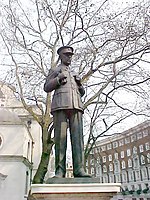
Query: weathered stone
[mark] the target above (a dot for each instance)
(73, 196)
(87, 191)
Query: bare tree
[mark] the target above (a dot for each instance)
(111, 54)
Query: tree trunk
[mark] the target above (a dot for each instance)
(42, 168)
(46, 151)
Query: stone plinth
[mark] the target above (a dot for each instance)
(72, 180)
(90, 191)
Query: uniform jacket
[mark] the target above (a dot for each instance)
(67, 96)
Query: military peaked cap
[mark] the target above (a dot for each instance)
(65, 49)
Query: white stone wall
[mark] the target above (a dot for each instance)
(37, 146)
(21, 146)
(31, 146)
(14, 185)
(12, 139)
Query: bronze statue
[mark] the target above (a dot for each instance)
(67, 111)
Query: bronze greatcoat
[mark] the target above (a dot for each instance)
(67, 109)
(67, 96)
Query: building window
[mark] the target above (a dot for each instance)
(139, 135)
(116, 166)
(1, 141)
(103, 148)
(105, 179)
(144, 173)
(122, 154)
(104, 168)
(131, 176)
(110, 157)
(141, 148)
(115, 145)
(109, 146)
(142, 160)
(97, 170)
(121, 142)
(111, 179)
(110, 167)
(104, 159)
(27, 182)
(148, 157)
(145, 133)
(147, 146)
(128, 152)
(137, 175)
(123, 164)
(134, 150)
(129, 163)
(124, 177)
(136, 162)
(98, 161)
(127, 140)
(133, 138)
(118, 180)
(116, 156)
(29, 151)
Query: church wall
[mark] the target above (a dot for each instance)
(12, 139)
(16, 184)
(37, 146)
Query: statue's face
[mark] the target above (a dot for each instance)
(66, 58)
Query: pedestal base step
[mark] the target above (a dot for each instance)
(84, 191)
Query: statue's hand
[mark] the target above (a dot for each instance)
(78, 80)
(62, 78)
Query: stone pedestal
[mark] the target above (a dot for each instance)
(74, 191)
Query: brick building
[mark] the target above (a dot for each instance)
(124, 158)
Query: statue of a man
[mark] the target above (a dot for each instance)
(67, 111)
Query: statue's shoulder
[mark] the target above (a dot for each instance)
(54, 70)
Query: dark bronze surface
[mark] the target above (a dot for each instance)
(67, 110)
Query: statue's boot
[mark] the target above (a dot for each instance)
(59, 173)
(60, 160)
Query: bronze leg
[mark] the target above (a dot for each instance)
(60, 134)
(76, 134)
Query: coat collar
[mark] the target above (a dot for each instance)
(64, 67)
